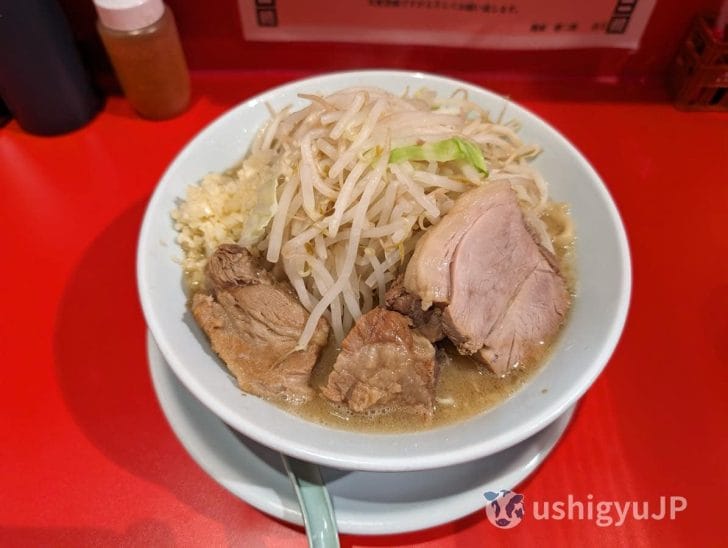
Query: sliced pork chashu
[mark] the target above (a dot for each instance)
(501, 295)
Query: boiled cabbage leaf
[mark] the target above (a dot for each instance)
(442, 151)
(258, 217)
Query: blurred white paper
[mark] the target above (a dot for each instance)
(520, 24)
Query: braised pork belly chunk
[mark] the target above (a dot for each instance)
(254, 323)
(428, 323)
(384, 365)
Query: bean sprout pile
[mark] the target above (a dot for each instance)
(352, 180)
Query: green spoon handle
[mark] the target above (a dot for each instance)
(318, 513)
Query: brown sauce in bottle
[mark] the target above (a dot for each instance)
(151, 67)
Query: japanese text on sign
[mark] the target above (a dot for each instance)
(520, 24)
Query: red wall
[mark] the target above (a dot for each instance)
(213, 39)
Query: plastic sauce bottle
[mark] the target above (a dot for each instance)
(141, 39)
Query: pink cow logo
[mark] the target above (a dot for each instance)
(504, 509)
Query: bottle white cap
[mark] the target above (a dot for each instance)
(129, 14)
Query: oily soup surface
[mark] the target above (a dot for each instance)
(464, 389)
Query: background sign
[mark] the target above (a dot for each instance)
(517, 24)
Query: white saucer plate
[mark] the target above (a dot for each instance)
(366, 503)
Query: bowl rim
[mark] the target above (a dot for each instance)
(404, 462)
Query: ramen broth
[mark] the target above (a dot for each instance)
(464, 389)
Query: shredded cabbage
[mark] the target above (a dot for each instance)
(259, 216)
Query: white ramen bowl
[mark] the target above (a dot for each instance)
(582, 351)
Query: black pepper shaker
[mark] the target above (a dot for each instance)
(42, 79)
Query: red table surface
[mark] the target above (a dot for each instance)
(87, 457)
